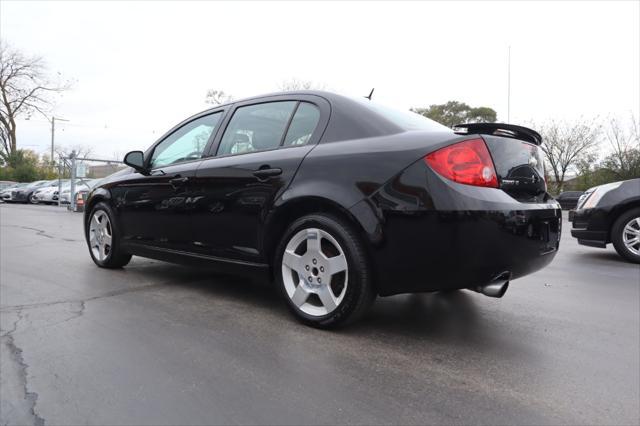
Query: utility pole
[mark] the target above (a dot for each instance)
(53, 133)
(509, 85)
(72, 189)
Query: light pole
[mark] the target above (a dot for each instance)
(53, 132)
(509, 86)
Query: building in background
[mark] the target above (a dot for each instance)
(104, 170)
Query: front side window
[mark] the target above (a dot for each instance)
(187, 143)
(256, 128)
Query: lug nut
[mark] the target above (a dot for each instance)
(319, 280)
(322, 269)
(310, 279)
(306, 267)
(315, 261)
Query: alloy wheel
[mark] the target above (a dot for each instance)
(631, 236)
(315, 272)
(100, 235)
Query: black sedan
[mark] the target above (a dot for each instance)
(569, 199)
(339, 200)
(26, 193)
(610, 214)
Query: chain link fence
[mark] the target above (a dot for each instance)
(83, 173)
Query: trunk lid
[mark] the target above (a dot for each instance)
(519, 166)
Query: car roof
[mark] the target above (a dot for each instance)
(351, 118)
(330, 96)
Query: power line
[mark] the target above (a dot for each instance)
(87, 126)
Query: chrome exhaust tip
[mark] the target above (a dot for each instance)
(496, 288)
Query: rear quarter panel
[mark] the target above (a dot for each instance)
(346, 172)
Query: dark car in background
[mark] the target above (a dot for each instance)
(338, 199)
(5, 194)
(25, 193)
(569, 199)
(610, 214)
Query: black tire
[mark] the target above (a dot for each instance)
(31, 200)
(116, 257)
(617, 231)
(359, 293)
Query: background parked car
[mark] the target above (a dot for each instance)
(4, 184)
(49, 194)
(569, 199)
(84, 185)
(25, 194)
(610, 214)
(5, 194)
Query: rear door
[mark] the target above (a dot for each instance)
(253, 161)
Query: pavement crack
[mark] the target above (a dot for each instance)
(22, 366)
(42, 233)
(77, 314)
(82, 302)
(15, 324)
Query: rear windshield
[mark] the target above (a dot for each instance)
(408, 120)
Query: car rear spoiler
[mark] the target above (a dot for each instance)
(500, 129)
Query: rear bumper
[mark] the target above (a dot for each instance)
(462, 249)
(460, 237)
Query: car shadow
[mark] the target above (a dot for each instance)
(606, 256)
(450, 319)
(431, 315)
(207, 281)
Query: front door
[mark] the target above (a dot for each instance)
(154, 210)
(256, 159)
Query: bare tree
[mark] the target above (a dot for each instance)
(565, 144)
(81, 151)
(24, 89)
(296, 84)
(217, 97)
(625, 144)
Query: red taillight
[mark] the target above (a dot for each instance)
(467, 162)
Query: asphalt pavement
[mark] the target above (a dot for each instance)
(156, 343)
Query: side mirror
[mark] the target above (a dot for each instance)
(135, 159)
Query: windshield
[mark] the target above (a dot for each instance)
(408, 120)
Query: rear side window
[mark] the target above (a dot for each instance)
(407, 120)
(256, 128)
(303, 124)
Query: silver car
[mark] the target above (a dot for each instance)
(84, 185)
(49, 194)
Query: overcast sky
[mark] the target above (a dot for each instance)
(139, 68)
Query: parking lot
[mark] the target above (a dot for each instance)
(156, 343)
